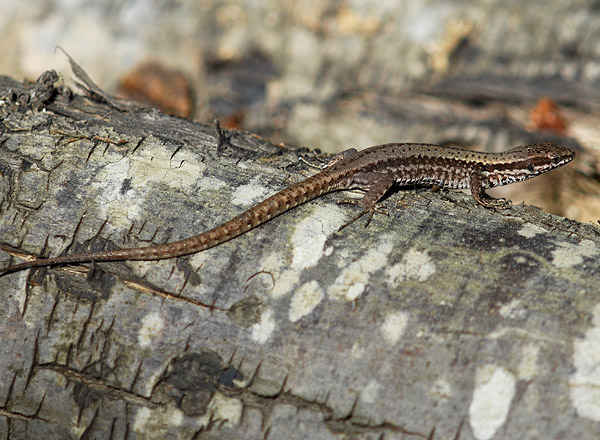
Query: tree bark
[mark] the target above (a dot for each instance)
(442, 313)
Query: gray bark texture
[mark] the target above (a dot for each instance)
(444, 320)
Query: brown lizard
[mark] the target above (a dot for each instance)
(375, 170)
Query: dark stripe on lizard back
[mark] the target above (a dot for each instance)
(374, 170)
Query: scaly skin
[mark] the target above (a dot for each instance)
(375, 170)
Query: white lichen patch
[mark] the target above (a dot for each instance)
(273, 262)
(160, 420)
(512, 332)
(415, 265)
(284, 282)
(307, 247)
(262, 331)
(441, 389)
(153, 163)
(210, 184)
(357, 351)
(351, 283)
(493, 394)
(310, 235)
(585, 382)
(305, 299)
(152, 326)
(109, 196)
(513, 310)
(349, 287)
(249, 194)
(370, 393)
(528, 365)
(393, 326)
(529, 231)
(226, 409)
(110, 180)
(157, 420)
(569, 255)
(141, 419)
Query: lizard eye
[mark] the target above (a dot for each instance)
(530, 167)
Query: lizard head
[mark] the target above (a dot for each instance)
(543, 157)
(526, 161)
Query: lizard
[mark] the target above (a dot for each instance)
(374, 170)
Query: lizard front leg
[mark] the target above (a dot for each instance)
(479, 193)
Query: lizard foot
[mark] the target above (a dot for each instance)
(494, 203)
(369, 210)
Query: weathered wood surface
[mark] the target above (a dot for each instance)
(444, 318)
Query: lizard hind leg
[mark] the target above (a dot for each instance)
(376, 208)
(380, 185)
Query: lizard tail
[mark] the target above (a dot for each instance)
(264, 211)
